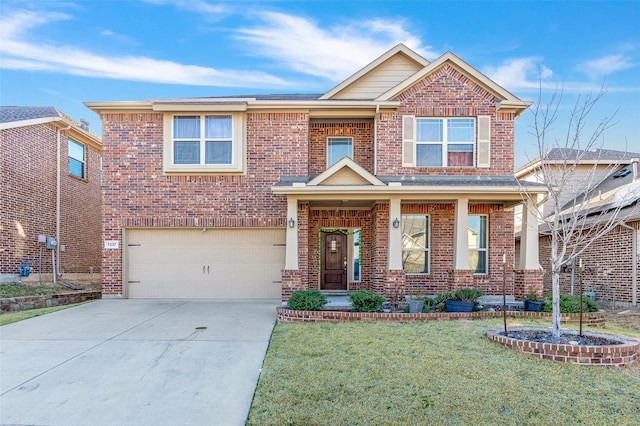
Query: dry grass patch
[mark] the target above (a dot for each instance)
(440, 372)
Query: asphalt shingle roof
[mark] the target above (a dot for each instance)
(20, 113)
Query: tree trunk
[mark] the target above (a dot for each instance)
(556, 264)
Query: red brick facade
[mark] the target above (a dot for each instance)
(28, 161)
(286, 145)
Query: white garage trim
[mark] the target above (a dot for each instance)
(204, 263)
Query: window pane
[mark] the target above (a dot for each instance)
(356, 256)
(187, 152)
(459, 155)
(218, 152)
(76, 150)
(218, 127)
(186, 127)
(478, 261)
(414, 232)
(415, 262)
(338, 148)
(428, 155)
(76, 168)
(460, 130)
(428, 130)
(477, 232)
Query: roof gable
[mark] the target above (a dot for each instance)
(345, 172)
(506, 98)
(385, 72)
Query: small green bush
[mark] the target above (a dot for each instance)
(438, 303)
(307, 300)
(571, 304)
(365, 301)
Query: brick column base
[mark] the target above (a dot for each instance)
(394, 286)
(528, 281)
(460, 278)
(291, 281)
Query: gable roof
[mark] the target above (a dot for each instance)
(605, 157)
(20, 116)
(507, 99)
(399, 51)
(345, 172)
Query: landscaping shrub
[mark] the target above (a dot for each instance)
(307, 300)
(365, 301)
(438, 303)
(571, 304)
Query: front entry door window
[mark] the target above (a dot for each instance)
(334, 261)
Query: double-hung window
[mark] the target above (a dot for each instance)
(446, 142)
(415, 244)
(203, 143)
(478, 243)
(76, 158)
(338, 148)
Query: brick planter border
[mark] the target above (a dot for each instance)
(615, 355)
(593, 319)
(23, 303)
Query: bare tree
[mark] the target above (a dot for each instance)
(575, 215)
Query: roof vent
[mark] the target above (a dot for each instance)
(84, 124)
(622, 173)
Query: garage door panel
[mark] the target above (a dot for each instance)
(218, 263)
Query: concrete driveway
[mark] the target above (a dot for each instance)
(135, 362)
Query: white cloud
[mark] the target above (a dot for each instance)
(520, 73)
(606, 65)
(19, 53)
(333, 53)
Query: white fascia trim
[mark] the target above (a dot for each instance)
(406, 191)
(31, 122)
(349, 163)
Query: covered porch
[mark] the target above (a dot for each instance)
(349, 230)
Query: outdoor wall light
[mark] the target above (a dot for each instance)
(292, 222)
(396, 223)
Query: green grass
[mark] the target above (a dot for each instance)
(17, 290)
(9, 317)
(439, 372)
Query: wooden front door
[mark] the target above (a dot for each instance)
(333, 275)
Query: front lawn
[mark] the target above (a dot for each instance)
(438, 372)
(17, 290)
(10, 317)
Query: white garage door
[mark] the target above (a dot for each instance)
(217, 263)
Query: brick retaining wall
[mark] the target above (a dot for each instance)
(593, 319)
(15, 304)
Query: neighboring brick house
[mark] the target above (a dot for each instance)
(49, 185)
(612, 262)
(377, 184)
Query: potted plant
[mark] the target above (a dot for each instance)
(532, 303)
(463, 300)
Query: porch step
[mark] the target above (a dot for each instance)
(337, 301)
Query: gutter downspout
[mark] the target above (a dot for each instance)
(375, 141)
(634, 263)
(58, 172)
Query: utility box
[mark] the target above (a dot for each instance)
(51, 243)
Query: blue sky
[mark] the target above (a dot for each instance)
(63, 53)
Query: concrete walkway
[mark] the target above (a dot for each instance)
(135, 362)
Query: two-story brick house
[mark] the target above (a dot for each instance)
(49, 186)
(399, 179)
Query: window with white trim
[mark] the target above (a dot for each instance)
(203, 143)
(477, 234)
(76, 158)
(415, 244)
(445, 142)
(338, 148)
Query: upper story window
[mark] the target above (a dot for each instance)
(445, 142)
(338, 148)
(415, 244)
(203, 143)
(478, 243)
(76, 158)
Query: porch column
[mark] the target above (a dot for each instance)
(395, 235)
(529, 239)
(291, 261)
(461, 235)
